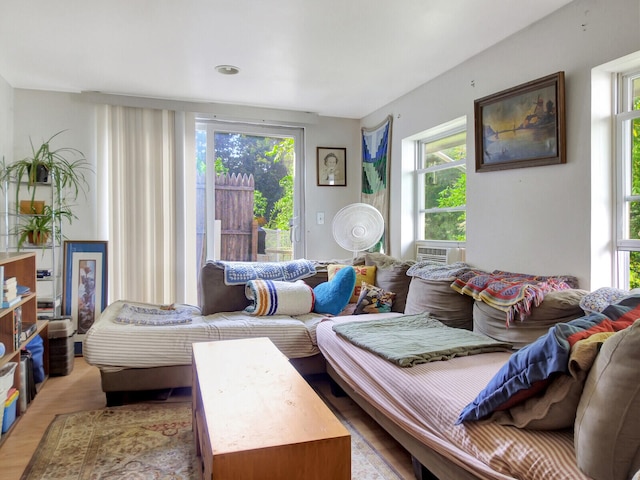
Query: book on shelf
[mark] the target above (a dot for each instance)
(43, 273)
(17, 327)
(10, 303)
(9, 290)
(23, 290)
(28, 331)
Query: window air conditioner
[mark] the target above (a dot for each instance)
(439, 255)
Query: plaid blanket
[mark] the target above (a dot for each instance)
(513, 293)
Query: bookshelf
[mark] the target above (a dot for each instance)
(22, 266)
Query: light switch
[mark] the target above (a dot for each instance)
(320, 218)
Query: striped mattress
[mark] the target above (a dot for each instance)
(114, 346)
(425, 400)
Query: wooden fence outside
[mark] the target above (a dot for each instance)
(234, 207)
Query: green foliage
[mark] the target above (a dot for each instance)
(268, 159)
(259, 204)
(283, 208)
(454, 195)
(634, 211)
(634, 270)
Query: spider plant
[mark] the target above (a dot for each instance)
(66, 169)
(37, 229)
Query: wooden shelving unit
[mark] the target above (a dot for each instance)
(23, 267)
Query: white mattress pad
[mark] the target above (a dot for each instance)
(113, 346)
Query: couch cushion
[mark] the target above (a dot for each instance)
(607, 427)
(214, 296)
(334, 295)
(558, 307)
(441, 301)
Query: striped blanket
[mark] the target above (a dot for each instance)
(513, 293)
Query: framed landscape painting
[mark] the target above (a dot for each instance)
(523, 126)
(85, 283)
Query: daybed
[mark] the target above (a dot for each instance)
(421, 406)
(134, 357)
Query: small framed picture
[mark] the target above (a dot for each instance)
(332, 167)
(85, 282)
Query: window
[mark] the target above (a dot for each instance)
(628, 181)
(441, 183)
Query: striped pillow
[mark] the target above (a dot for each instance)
(274, 297)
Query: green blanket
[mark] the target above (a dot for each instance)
(413, 339)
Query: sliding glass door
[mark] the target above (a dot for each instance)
(249, 192)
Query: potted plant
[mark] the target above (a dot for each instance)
(38, 228)
(64, 168)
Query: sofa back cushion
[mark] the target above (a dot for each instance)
(441, 301)
(215, 296)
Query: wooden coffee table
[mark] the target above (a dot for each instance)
(255, 417)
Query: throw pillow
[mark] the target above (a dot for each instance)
(276, 297)
(530, 369)
(601, 298)
(364, 273)
(374, 300)
(556, 407)
(391, 275)
(607, 427)
(334, 295)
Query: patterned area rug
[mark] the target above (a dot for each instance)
(147, 441)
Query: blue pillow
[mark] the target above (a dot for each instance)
(529, 370)
(333, 296)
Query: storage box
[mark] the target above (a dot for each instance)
(9, 415)
(61, 346)
(6, 378)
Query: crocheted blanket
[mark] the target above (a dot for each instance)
(239, 273)
(513, 293)
(137, 315)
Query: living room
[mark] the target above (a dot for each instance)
(555, 219)
(554, 240)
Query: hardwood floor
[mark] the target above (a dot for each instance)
(80, 390)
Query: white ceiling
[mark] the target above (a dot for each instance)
(343, 58)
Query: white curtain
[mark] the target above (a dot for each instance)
(138, 156)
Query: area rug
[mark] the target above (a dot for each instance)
(146, 441)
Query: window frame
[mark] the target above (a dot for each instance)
(454, 127)
(624, 117)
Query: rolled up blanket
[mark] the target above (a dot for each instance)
(272, 297)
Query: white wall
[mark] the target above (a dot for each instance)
(40, 114)
(533, 220)
(6, 120)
